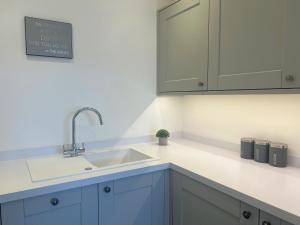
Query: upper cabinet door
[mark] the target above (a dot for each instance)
(247, 44)
(183, 46)
(291, 77)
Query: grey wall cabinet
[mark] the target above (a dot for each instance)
(134, 201)
(73, 207)
(253, 45)
(246, 45)
(291, 76)
(183, 46)
(195, 203)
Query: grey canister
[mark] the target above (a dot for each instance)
(278, 154)
(261, 151)
(247, 148)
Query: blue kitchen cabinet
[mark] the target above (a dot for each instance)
(72, 207)
(137, 200)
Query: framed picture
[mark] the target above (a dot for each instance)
(48, 38)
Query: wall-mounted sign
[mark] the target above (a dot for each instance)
(48, 38)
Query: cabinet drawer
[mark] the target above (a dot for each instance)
(69, 215)
(51, 201)
(214, 197)
(131, 183)
(249, 214)
(285, 223)
(268, 219)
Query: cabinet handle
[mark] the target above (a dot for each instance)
(107, 189)
(266, 223)
(290, 78)
(246, 214)
(200, 84)
(54, 201)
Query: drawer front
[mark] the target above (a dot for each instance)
(63, 216)
(249, 214)
(268, 219)
(131, 183)
(285, 223)
(214, 197)
(51, 201)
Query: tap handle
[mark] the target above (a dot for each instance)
(80, 150)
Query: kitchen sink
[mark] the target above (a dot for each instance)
(116, 157)
(47, 168)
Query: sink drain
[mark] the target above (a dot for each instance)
(88, 168)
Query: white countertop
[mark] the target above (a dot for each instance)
(274, 190)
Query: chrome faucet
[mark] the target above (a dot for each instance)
(74, 150)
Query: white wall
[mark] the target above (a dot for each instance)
(228, 118)
(113, 70)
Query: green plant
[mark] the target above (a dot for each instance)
(162, 133)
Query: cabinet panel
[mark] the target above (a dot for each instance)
(285, 223)
(133, 201)
(73, 207)
(195, 203)
(291, 78)
(13, 213)
(63, 216)
(268, 219)
(249, 215)
(183, 46)
(246, 45)
(43, 203)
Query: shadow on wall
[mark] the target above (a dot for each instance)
(137, 120)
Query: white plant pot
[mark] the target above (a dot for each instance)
(163, 141)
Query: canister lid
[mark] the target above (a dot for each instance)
(278, 145)
(247, 139)
(261, 142)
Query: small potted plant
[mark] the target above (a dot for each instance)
(163, 136)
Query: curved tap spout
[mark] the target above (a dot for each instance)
(74, 122)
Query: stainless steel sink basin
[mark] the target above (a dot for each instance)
(114, 158)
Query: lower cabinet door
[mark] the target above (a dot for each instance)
(285, 223)
(72, 207)
(138, 200)
(63, 216)
(249, 215)
(197, 204)
(268, 219)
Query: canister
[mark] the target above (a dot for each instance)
(278, 154)
(247, 148)
(261, 151)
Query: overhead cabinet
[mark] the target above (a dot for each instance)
(183, 46)
(246, 45)
(229, 45)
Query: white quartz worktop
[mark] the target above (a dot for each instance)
(271, 189)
